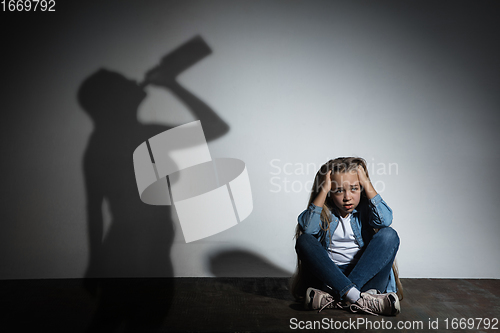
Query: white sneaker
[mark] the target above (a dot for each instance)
(319, 299)
(384, 304)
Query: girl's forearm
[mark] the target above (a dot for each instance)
(366, 183)
(320, 198)
(370, 190)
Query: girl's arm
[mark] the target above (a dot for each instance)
(366, 183)
(309, 220)
(326, 187)
(380, 212)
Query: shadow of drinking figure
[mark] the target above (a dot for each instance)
(138, 242)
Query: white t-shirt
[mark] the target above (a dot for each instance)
(343, 246)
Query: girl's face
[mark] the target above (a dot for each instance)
(346, 191)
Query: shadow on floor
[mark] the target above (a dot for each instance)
(239, 263)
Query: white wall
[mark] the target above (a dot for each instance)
(411, 84)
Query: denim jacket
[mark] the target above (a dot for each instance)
(377, 214)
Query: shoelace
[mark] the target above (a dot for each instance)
(330, 301)
(373, 302)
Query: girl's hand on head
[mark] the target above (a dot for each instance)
(327, 182)
(365, 183)
(326, 187)
(363, 178)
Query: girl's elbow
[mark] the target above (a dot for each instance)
(381, 222)
(388, 218)
(387, 221)
(310, 231)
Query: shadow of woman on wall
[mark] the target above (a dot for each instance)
(135, 250)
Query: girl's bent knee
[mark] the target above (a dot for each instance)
(389, 235)
(303, 241)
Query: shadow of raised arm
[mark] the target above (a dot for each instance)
(213, 126)
(165, 74)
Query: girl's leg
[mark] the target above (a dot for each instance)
(315, 258)
(374, 267)
(380, 280)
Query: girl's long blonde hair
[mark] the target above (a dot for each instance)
(302, 279)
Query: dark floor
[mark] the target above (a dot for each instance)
(230, 305)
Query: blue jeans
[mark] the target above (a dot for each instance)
(370, 272)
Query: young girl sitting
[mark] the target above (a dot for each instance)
(345, 246)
